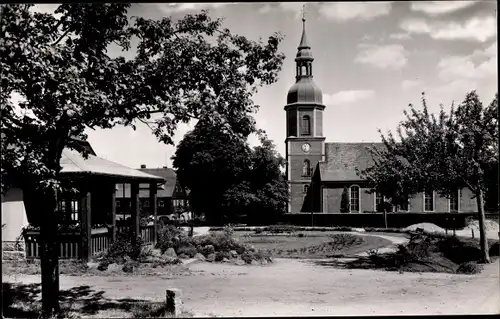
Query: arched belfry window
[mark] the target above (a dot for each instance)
(303, 70)
(306, 168)
(306, 125)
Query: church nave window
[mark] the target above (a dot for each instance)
(354, 198)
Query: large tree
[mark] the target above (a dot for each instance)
(452, 150)
(227, 179)
(61, 68)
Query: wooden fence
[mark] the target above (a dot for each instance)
(70, 243)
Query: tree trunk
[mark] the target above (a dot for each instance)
(50, 253)
(385, 218)
(482, 228)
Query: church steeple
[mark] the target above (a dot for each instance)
(304, 56)
(304, 44)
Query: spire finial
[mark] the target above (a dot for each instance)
(303, 13)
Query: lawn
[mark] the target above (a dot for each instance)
(312, 244)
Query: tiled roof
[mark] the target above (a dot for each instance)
(342, 159)
(164, 190)
(73, 163)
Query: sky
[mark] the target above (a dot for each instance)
(371, 60)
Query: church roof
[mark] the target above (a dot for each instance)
(342, 159)
(305, 91)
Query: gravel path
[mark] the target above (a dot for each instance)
(300, 287)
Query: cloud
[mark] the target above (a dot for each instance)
(400, 36)
(480, 65)
(344, 11)
(408, 84)
(475, 29)
(461, 74)
(350, 96)
(294, 7)
(434, 8)
(183, 7)
(392, 56)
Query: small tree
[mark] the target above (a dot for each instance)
(442, 153)
(345, 206)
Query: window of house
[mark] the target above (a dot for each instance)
(379, 200)
(354, 198)
(74, 210)
(455, 201)
(160, 203)
(429, 201)
(306, 168)
(306, 125)
(305, 189)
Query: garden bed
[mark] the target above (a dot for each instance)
(316, 244)
(427, 253)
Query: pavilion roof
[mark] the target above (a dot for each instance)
(73, 163)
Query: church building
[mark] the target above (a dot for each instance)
(318, 172)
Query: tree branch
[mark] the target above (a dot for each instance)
(61, 37)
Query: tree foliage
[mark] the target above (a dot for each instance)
(227, 179)
(345, 206)
(67, 80)
(442, 153)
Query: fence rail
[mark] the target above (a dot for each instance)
(146, 232)
(70, 243)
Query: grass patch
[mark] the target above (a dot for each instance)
(313, 244)
(147, 309)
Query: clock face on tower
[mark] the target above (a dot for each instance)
(306, 147)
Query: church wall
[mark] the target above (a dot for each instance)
(417, 203)
(297, 197)
(319, 122)
(296, 148)
(467, 203)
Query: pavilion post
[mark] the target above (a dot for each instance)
(113, 214)
(86, 226)
(154, 207)
(134, 197)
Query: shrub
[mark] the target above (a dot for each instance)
(469, 268)
(123, 249)
(189, 250)
(170, 236)
(220, 255)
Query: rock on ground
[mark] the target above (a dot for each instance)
(428, 227)
(170, 252)
(199, 257)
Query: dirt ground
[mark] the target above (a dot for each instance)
(293, 287)
(301, 287)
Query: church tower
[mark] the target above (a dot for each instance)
(304, 128)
